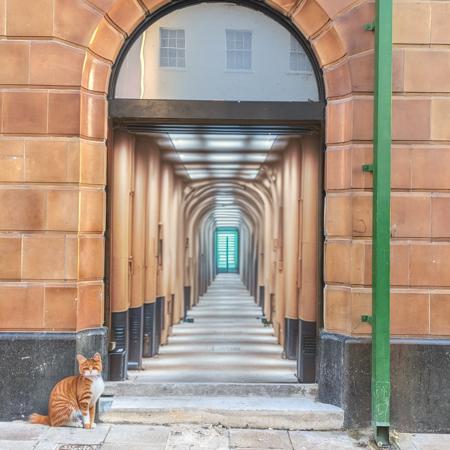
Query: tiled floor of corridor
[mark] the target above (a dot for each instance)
(226, 343)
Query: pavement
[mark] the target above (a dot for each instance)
(25, 436)
(226, 343)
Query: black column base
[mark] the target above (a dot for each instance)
(135, 318)
(118, 357)
(32, 363)
(261, 297)
(149, 330)
(187, 300)
(420, 400)
(307, 344)
(159, 319)
(290, 338)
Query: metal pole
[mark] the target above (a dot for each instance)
(381, 385)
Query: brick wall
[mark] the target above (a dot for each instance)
(53, 158)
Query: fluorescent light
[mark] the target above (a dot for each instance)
(223, 157)
(197, 175)
(224, 144)
(220, 142)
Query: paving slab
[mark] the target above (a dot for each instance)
(191, 438)
(424, 441)
(138, 434)
(45, 445)
(21, 431)
(17, 445)
(260, 439)
(66, 435)
(110, 446)
(324, 441)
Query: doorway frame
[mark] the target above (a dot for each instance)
(235, 230)
(153, 115)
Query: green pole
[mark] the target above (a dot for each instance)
(381, 385)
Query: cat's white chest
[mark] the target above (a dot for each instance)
(97, 388)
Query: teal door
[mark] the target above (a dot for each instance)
(227, 250)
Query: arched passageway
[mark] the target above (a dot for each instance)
(217, 113)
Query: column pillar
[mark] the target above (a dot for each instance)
(138, 258)
(121, 171)
(291, 196)
(150, 347)
(309, 259)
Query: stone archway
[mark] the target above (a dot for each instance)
(343, 49)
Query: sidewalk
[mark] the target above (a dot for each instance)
(23, 436)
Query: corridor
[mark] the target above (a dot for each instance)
(226, 343)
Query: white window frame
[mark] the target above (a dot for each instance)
(236, 50)
(176, 49)
(297, 50)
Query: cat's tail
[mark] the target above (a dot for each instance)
(37, 418)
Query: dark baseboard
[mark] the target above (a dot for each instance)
(159, 319)
(307, 351)
(118, 356)
(136, 336)
(149, 330)
(261, 297)
(32, 363)
(420, 400)
(187, 300)
(291, 338)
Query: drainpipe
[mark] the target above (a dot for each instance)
(380, 320)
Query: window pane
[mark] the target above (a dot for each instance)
(247, 61)
(298, 61)
(172, 48)
(248, 41)
(238, 60)
(239, 44)
(295, 45)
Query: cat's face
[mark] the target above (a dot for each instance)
(90, 367)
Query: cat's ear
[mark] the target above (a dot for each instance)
(97, 357)
(81, 359)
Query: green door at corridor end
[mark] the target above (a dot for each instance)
(227, 250)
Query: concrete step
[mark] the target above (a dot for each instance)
(235, 375)
(287, 413)
(220, 328)
(200, 348)
(229, 361)
(138, 388)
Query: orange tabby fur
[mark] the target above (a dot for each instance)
(73, 399)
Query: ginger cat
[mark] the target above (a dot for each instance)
(72, 400)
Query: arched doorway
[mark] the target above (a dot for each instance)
(214, 126)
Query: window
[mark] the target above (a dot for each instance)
(298, 61)
(239, 50)
(172, 52)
